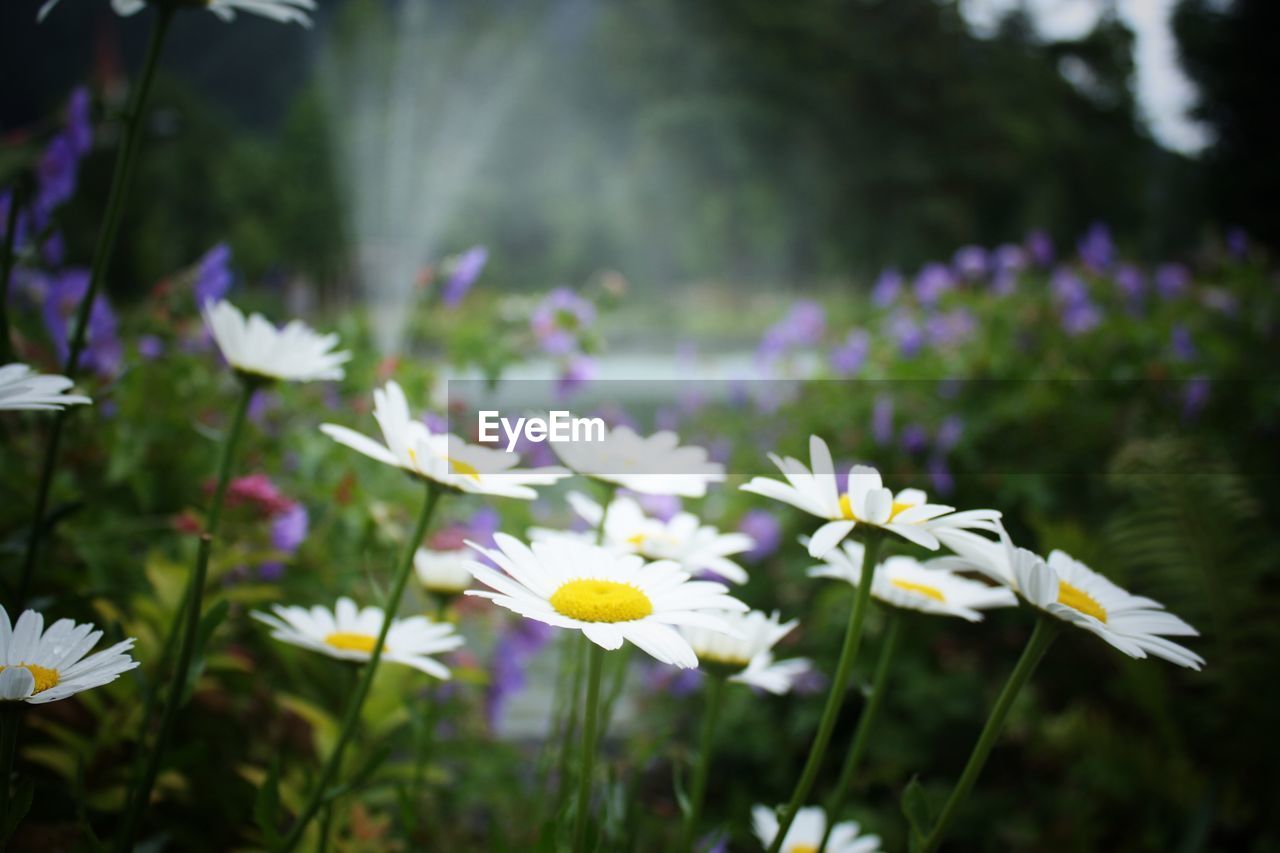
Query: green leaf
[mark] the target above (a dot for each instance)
(266, 806)
(915, 806)
(677, 785)
(209, 622)
(19, 805)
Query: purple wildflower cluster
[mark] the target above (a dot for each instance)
(462, 272)
(561, 324)
(289, 520)
(803, 326)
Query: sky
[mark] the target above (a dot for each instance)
(1164, 93)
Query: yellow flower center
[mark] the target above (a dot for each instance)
(464, 469)
(1078, 599)
(350, 642)
(803, 848)
(45, 677)
(921, 589)
(846, 509)
(601, 601)
(636, 540)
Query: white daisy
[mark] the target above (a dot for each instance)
(747, 654)
(930, 587)
(23, 388)
(684, 538)
(610, 597)
(295, 353)
(284, 11)
(443, 572)
(349, 633)
(865, 501)
(441, 457)
(652, 465)
(39, 666)
(805, 834)
(1075, 593)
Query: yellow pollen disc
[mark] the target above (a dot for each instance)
(349, 642)
(636, 540)
(922, 589)
(464, 469)
(803, 848)
(45, 677)
(846, 509)
(1078, 599)
(601, 601)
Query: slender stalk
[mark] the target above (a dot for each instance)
(352, 717)
(698, 790)
(1046, 629)
(844, 668)
(121, 181)
(16, 200)
(578, 652)
(893, 631)
(10, 721)
(188, 616)
(590, 717)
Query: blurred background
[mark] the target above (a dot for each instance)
(1075, 198)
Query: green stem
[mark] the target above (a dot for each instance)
(352, 717)
(591, 716)
(698, 791)
(188, 616)
(844, 668)
(16, 200)
(893, 631)
(121, 181)
(1046, 629)
(10, 722)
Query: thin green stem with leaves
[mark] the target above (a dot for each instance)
(839, 682)
(715, 687)
(591, 716)
(121, 182)
(188, 616)
(1046, 629)
(351, 719)
(888, 648)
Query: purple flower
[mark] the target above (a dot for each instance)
(1131, 282)
(150, 347)
(1237, 243)
(1040, 248)
(1172, 280)
(933, 280)
(1080, 317)
(882, 420)
(847, 358)
(536, 454)
(56, 173)
(577, 372)
(887, 288)
(289, 528)
(940, 475)
(515, 648)
(61, 303)
(662, 507)
(949, 433)
(271, 571)
(970, 262)
(1004, 282)
(263, 401)
(435, 422)
(1009, 257)
(559, 318)
(1181, 347)
(1096, 249)
(464, 270)
(484, 522)
(802, 326)
(763, 528)
(915, 438)
(1067, 287)
(1195, 396)
(213, 275)
(907, 332)
(80, 121)
(951, 328)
